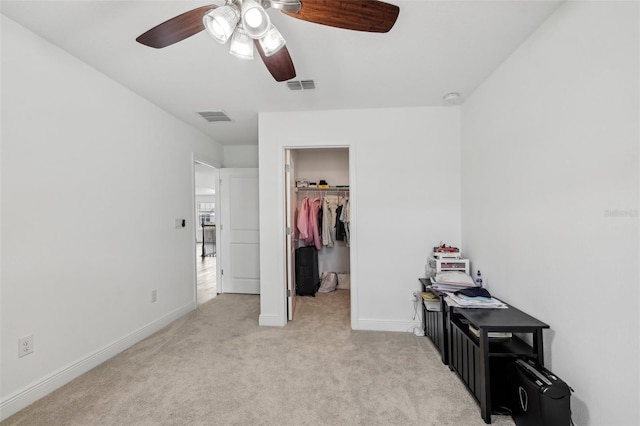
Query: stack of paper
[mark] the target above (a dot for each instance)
(491, 334)
(451, 281)
(427, 295)
(431, 301)
(432, 306)
(476, 302)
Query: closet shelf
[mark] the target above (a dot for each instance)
(331, 188)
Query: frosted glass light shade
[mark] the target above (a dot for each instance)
(221, 22)
(241, 44)
(272, 41)
(255, 19)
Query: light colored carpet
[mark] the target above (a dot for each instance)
(216, 366)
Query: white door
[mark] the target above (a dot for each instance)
(291, 201)
(240, 231)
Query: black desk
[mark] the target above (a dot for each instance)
(470, 356)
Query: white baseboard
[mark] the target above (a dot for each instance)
(361, 324)
(387, 325)
(271, 320)
(23, 398)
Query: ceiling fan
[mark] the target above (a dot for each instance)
(246, 23)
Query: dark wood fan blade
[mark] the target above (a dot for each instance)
(175, 29)
(359, 15)
(279, 64)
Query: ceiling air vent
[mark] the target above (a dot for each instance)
(308, 84)
(214, 116)
(301, 85)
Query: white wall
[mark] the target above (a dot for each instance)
(398, 213)
(332, 165)
(93, 177)
(240, 156)
(550, 198)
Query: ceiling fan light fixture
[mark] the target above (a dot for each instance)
(255, 19)
(272, 41)
(291, 6)
(241, 44)
(221, 22)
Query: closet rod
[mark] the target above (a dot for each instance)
(334, 189)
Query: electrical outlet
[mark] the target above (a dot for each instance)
(25, 346)
(154, 295)
(414, 297)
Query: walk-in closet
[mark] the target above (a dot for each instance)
(318, 233)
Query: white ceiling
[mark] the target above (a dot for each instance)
(434, 48)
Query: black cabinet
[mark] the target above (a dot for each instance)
(482, 362)
(435, 323)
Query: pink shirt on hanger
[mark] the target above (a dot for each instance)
(303, 219)
(315, 237)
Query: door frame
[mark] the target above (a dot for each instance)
(353, 229)
(197, 158)
(290, 200)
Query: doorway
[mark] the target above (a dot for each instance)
(320, 176)
(205, 232)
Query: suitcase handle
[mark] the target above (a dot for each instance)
(524, 398)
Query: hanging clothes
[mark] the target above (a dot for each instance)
(345, 218)
(327, 237)
(315, 238)
(320, 219)
(340, 232)
(316, 221)
(303, 219)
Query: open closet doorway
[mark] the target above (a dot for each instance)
(318, 250)
(205, 232)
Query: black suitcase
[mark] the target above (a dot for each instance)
(539, 397)
(307, 273)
